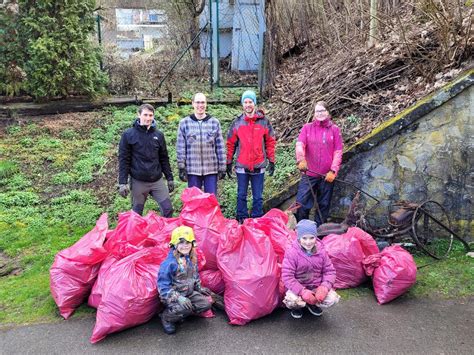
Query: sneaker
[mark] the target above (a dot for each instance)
(297, 313)
(168, 327)
(314, 310)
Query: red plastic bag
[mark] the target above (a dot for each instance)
(75, 269)
(212, 279)
(393, 272)
(347, 252)
(249, 267)
(129, 236)
(273, 224)
(130, 295)
(96, 292)
(160, 228)
(202, 212)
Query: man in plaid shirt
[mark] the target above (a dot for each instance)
(200, 148)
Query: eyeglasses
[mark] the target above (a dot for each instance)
(200, 102)
(320, 111)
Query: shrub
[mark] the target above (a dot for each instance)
(61, 59)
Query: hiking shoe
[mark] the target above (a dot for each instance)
(297, 313)
(168, 327)
(314, 310)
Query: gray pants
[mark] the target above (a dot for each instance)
(174, 312)
(158, 190)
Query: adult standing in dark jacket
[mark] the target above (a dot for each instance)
(143, 156)
(252, 140)
(200, 149)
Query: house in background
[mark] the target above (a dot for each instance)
(241, 23)
(132, 26)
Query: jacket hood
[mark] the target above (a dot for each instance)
(326, 123)
(137, 124)
(259, 114)
(193, 117)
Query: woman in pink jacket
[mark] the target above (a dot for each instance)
(308, 273)
(318, 155)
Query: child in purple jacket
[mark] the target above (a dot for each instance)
(308, 273)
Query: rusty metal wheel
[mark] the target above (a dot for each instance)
(431, 229)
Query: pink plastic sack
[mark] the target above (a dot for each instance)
(202, 212)
(249, 267)
(393, 272)
(129, 236)
(130, 295)
(212, 279)
(273, 224)
(347, 252)
(75, 269)
(96, 292)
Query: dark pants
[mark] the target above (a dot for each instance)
(256, 181)
(174, 312)
(158, 190)
(323, 191)
(209, 182)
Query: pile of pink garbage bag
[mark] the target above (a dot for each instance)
(116, 270)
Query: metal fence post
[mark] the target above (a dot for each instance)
(214, 10)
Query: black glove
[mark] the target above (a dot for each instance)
(170, 186)
(271, 168)
(228, 170)
(124, 190)
(183, 176)
(221, 175)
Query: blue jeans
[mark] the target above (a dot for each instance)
(323, 191)
(256, 181)
(209, 182)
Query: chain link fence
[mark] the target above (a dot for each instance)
(147, 45)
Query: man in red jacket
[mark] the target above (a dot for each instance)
(252, 140)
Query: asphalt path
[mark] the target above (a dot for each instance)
(359, 326)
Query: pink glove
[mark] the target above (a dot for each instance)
(321, 293)
(308, 296)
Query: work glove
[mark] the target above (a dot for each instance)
(308, 296)
(205, 291)
(185, 302)
(183, 176)
(170, 186)
(229, 170)
(271, 168)
(302, 166)
(330, 176)
(124, 190)
(221, 175)
(321, 293)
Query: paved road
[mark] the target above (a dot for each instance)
(354, 326)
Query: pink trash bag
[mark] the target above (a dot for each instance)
(75, 269)
(96, 292)
(249, 267)
(129, 236)
(347, 252)
(202, 212)
(393, 272)
(212, 279)
(130, 295)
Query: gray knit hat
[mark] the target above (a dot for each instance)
(305, 227)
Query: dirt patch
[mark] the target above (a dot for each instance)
(9, 266)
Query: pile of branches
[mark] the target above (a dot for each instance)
(365, 86)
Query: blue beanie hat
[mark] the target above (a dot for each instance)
(249, 94)
(305, 227)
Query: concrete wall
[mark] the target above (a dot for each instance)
(426, 152)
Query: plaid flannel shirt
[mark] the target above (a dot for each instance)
(200, 146)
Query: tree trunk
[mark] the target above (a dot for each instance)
(373, 23)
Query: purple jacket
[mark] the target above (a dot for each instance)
(300, 270)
